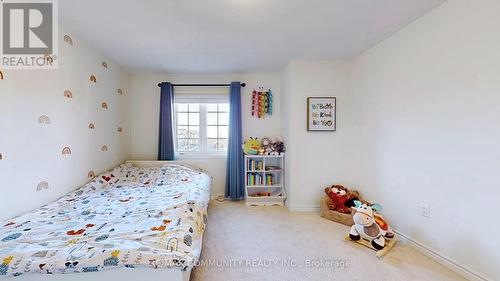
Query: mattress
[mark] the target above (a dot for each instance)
(129, 217)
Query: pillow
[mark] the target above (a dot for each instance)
(126, 166)
(122, 169)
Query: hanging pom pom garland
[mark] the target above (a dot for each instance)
(255, 103)
(262, 103)
(269, 110)
(266, 103)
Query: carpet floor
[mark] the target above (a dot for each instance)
(269, 243)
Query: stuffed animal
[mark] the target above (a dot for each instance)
(251, 146)
(277, 146)
(369, 224)
(266, 145)
(338, 196)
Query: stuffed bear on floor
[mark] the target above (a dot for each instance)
(338, 195)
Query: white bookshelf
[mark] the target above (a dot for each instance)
(265, 180)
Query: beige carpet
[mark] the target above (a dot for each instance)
(259, 243)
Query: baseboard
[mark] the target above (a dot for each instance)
(443, 260)
(216, 196)
(304, 209)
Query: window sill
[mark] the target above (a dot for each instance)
(201, 156)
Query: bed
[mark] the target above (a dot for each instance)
(143, 221)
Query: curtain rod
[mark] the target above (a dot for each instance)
(201, 85)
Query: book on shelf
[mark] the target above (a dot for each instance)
(256, 179)
(255, 165)
(269, 179)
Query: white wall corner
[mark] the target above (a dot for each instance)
(440, 258)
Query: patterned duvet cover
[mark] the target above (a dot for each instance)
(129, 217)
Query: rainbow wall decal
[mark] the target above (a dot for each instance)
(119, 129)
(104, 105)
(66, 151)
(91, 126)
(91, 174)
(44, 119)
(42, 185)
(93, 79)
(68, 40)
(120, 92)
(68, 94)
(104, 148)
(105, 65)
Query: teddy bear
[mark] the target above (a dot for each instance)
(277, 145)
(338, 195)
(267, 146)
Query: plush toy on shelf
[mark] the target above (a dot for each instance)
(277, 145)
(251, 146)
(338, 196)
(267, 145)
(370, 228)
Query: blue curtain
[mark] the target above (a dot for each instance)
(166, 135)
(235, 168)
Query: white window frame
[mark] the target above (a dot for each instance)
(202, 100)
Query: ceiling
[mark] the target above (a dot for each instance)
(234, 36)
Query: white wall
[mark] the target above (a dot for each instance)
(424, 121)
(145, 114)
(31, 151)
(314, 160)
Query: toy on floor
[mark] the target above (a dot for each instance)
(338, 196)
(370, 229)
(325, 212)
(251, 146)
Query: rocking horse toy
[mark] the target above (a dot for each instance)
(370, 229)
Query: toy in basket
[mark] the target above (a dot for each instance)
(370, 229)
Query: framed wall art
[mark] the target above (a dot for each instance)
(322, 114)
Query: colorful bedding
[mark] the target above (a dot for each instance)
(129, 217)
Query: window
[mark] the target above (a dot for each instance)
(202, 126)
(188, 127)
(217, 126)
